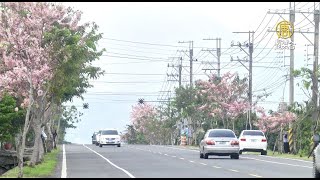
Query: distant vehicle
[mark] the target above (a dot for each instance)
(316, 157)
(220, 142)
(253, 141)
(109, 137)
(94, 138)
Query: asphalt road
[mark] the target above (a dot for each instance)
(148, 161)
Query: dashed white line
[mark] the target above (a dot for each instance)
(181, 158)
(203, 163)
(233, 170)
(159, 152)
(191, 161)
(255, 175)
(216, 167)
(64, 163)
(125, 171)
(173, 156)
(166, 154)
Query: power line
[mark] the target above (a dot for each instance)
(152, 44)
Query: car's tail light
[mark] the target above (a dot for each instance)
(234, 142)
(210, 142)
(264, 140)
(243, 139)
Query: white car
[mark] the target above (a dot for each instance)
(253, 141)
(98, 137)
(219, 142)
(109, 137)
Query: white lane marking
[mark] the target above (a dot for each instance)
(249, 158)
(203, 163)
(191, 161)
(286, 158)
(64, 163)
(173, 156)
(276, 162)
(176, 148)
(166, 154)
(233, 170)
(255, 175)
(125, 171)
(181, 158)
(160, 153)
(216, 167)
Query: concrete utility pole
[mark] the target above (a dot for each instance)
(218, 54)
(315, 70)
(179, 75)
(291, 81)
(250, 46)
(191, 59)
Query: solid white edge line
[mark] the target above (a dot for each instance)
(125, 171)
(64, 163)
(276, 162)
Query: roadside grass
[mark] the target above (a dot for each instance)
(45, 169)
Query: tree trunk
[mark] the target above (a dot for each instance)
(233, 124)
(22, 145)
(35, 158)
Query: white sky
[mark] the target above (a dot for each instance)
(167, 23)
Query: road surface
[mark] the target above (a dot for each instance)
(148, 161)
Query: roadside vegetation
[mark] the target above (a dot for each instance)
(46, 61)
(222, 102)
(42, 170)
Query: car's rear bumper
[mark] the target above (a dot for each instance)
(110, 143)
(253, 148)
(221, 150)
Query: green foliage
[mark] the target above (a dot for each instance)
(10, 120)
(75, 50)
(69, 117)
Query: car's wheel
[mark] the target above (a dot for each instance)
(201, 155)
(240, 152)
(206, 156)
(100, 145)
(315, 172)
(234, 156)
(118, 145)
(263, 152)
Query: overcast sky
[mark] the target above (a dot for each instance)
(141, 37)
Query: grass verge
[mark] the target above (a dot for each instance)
(45, 169)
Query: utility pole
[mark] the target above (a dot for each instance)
(250, 46)
(315, 70)
(179, 70)
(291, 81)
(218, 53)
(191, 58)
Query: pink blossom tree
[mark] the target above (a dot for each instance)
(26, 66)
(224, 98)
(144, 119)
(274, 122)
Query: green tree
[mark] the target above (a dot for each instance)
(11, 118)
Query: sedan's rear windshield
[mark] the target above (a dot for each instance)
(252, 133)
(221, 133)
(109, 132)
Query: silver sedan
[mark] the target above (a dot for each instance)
(220, 142)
